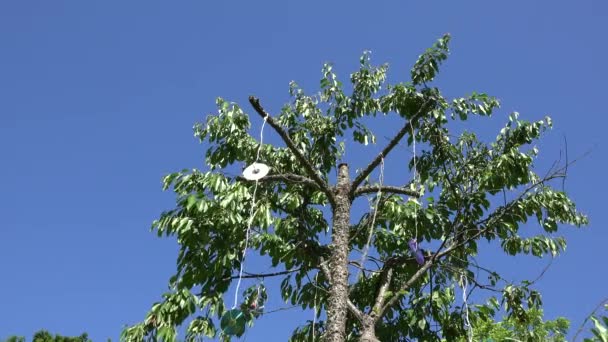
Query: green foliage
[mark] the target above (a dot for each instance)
(530, 329)
(600, 328)
(45, 336)
(470, 190)
(15, 339)
(427, 65)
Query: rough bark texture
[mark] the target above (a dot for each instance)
(338, 262)
(368, 330)
(369, 321)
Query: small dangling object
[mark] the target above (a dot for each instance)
(417, 252)
(255, 171)
(233, 323)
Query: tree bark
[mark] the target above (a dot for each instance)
(338, 262)
(368, 333)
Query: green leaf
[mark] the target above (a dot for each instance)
(427, 65)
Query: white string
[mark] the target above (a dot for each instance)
(314, 320)
(467, 323)
(250, 221)
(257, 157)
(373, 224)
(314, 315)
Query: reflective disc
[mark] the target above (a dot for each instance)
(255, 171)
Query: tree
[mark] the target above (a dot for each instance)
(45, 336)
(394, 274)
(512, 329)
(15, 339)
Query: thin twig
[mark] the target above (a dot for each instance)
(566, 171)
(281, 309)
(262, 275)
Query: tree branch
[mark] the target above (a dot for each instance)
(416, 275)
(287, 178)
(407, 127)
(489, 221)
(355, 311)
(255, 103)
(368, 189)
(385, 281)
(262, 275)
(324, 268)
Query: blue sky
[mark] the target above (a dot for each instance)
(97, 102)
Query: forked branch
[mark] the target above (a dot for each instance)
(387, 149)
(255, 103)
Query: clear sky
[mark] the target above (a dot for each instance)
(97, 102)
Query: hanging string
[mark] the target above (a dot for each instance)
(250, 221)
(373, 223)
(314, 319)
(467, 323)
(257, 157)
(314, 316)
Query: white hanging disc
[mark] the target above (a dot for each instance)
(256, 171)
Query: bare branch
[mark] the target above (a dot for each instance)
(287, 178)
(255, 103)
(262, 275)
(356, 264)
(405, 286)
(368, 189)
(355, 311)
(385, 281)
(406, 128)
(324, 268)
(431, 259)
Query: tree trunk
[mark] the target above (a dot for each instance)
(368, 329)
(338, 262)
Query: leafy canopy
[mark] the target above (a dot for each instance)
(45, 336)
(466, 190)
